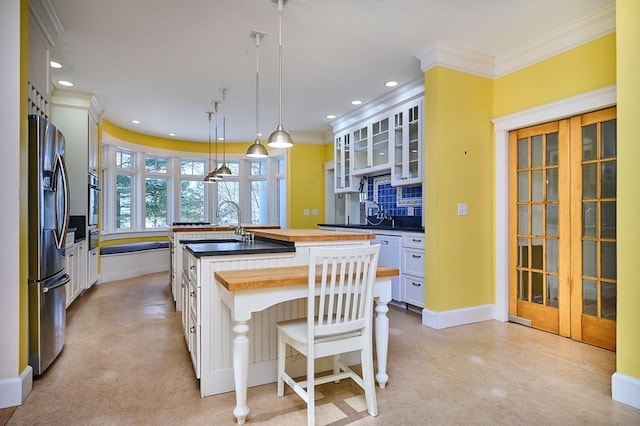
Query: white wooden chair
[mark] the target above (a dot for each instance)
(339, 320)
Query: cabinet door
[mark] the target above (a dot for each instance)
(361, 157)
(371, 147)
(344, 181)
(407, 145)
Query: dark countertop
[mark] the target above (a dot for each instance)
(227, 247)
(382, 227)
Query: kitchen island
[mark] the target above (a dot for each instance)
(210, 327)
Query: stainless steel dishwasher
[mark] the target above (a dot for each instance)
(390, 252)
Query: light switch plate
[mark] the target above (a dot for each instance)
(462, 209)
(306, 212)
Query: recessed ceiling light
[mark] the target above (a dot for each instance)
(391, 83)
(55, 64)
(356, 102)
(65, 83)
(135, 121)
(331, 116)
(172, 134)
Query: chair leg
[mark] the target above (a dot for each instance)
(311, 391)
(336, 366)
(369, 383)
(282, 347)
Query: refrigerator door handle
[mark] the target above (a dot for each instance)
(63, 281)
(60, 238)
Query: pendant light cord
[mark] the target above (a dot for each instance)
(280, 55)
(257, 84)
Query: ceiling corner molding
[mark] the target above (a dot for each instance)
(456, 58)
(47, 19)
(95, 110)
(406, 92)
(570, 36)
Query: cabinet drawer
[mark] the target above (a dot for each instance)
(413, 262)
(413, 241)
(413, 290)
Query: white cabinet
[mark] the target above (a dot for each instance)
(412, 269)
(83, 265)
(72, 266)
(191, 317)
(371, 146)
(92, 267)
(344, 181)
(390, 256)
(406, 155)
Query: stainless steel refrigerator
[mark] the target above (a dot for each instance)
(48, 225)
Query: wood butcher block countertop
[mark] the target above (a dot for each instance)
(311, 235)
(249, 279)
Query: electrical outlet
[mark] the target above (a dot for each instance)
(462, 209)
(314, 212)
(305, 212)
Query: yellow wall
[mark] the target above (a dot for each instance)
(305, 185)
(585, 68)
(459, 169)
(329, 153)
(24, 168)
(628, 89)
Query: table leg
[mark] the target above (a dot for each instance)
(382, 341)
(240, 369)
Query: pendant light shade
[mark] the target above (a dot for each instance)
(211, 177)
(280, 138)
(256, 149)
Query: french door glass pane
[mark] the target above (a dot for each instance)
(523, 219)
(552, 290)
(523, 285)
(536, 253)
(609, 269)
(536, 219)
(552, 255)
(536, 151)
(537, 287)
(609, 173)
(589, 141)
(589, 181)
(589, 258)
(552, 220)
(609, 138)
(523, 153)
(589, 218)
(609, 301)
(589, 297)
(523, 252)
(552, 184)
(523, 186)
(536, 185)
(552, 149)
(608, 219)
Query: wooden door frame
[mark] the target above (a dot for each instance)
(575, 105)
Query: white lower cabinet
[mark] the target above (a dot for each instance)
(191, 317)
(412, 268)
(74, 269)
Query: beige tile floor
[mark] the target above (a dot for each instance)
(125, 363)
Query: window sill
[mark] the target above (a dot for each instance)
(118, 235)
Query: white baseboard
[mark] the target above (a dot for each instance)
(625, 389)
(121, 266)
(14, 390)
(457, 317)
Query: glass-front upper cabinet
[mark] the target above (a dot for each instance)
(407, 144)
(344, 182)
(371, 147)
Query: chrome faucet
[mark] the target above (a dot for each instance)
(239, 229)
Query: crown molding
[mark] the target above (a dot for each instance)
(46, 18)
(457, 58)
(565, 38)
(404, 93)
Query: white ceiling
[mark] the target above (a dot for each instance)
(164, 62)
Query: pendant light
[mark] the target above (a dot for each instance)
(257, 150)
(211, 177)
(280, 138)
(224, 170)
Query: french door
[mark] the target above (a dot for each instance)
(562, 227)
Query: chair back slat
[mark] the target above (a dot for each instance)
(341, 289)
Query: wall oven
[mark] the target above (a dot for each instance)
(94, 196)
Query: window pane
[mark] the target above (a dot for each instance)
(552, 184)
(609, 264)
(536, 219)
(537, 287)
(552, 256)
(523, 252)
(523, 285)
(609, 301)
(523, 219)
(228, 213)
(552, 220)
(123, 201)
(156, 165)
(523, 186)
(589, 258)
(192, 201)
(282, 203)
(536, 185)
(536, 151)
(536, 253)
(608, 220)
(233, 166)
(258, 168)
(523, 153)
(589, 217)
(259, 202)
(155, 202)
(589, 181)
(192, 168)
(281, 169)
(609, 179)
(552, 290)
(124, 160)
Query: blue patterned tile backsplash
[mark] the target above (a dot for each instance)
(401, 201)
